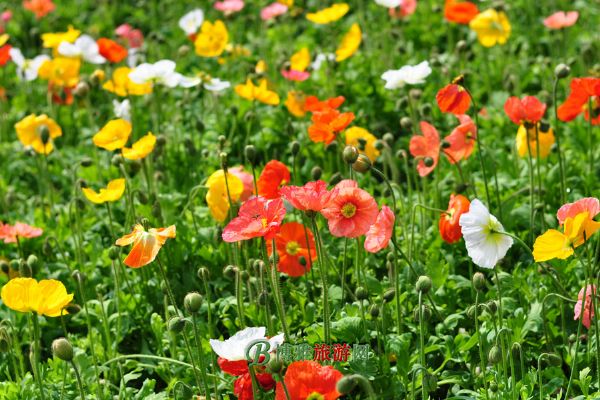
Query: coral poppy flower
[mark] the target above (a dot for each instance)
(313, 196)
(40, 8)
(561, 19)
(449, 224)
(272, 178)
(293, 75)
(546, 140)
(39, 132)
(528, 110)
(145, 244)
(273, 10)
(229, 7)
(247, 180)
(349, 44)
(454, 99)
(47, 297)
(461, 12)
(113, 135)
(309, 380)
(313, 104)
(291, 245)
(588, 309)
(492, 27)
(140, 149)
(258, 217)
(570, 210)
(5, 54)
(404, 9)
(295, 103)
(212, 39)
(426, 148)
(111, 50)
(134, 37)
(249, 91)
(329, 14)
(582, 90)
(113, 192)
(354, 135)
(121, 85)
(351, 211)
(326, 124)
(379, 234)
(462, 140)
(11, 233)
(222, 187)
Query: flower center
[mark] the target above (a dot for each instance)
(292, 248)
(450, 213)
(348, 210)
(315, 396)
(264, 222)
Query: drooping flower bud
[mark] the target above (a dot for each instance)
(62, 349)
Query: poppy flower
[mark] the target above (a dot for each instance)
(273, 176)
(561, 19)
(40, 8)
(111, 50)
(47, 297)
(462, 140)
(84, 47)
(295, 103)
(212, 39)
(582, 90)
(191, 21)
(313, 104)
(261, 92)
(113, 192)
(588, 309)
(407, 75)
(140, 149)
(570, 210)
(121, 85)
(242, 387)
(379, 234)
(146, 244)
(449, 224)
(26, 69)
(229, 7)
(326, 124)
(351, 211)
(5, 54)
(221, 188)
(528, 110)
(134, 37)
(492, 27)
(122, 109)
(309, 380)
(404, 9)
(349, 44)
(258, 217)
(291, 245)
(426, 148)
(454, 99)
(247, 180)
(52, 40)
(461, 12)
(11, 233)
(273, 10)
(329, 14)
(354, 135)
(546, 140)
(113, 135)
(161, 72)
(38, 132)
(61, 71)
(293, 75)
(313, 196)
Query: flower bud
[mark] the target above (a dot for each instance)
(335, 179)
(346, 384)
(222, 141)
(24, 270)
(389, 295)
(515, 350)
(62, 349)
(97, 77)
(309, 312)
(374, 311)
(142, 198)
(250, 153)
(176, 324)
(554, 360)
(379, 145)
(295, 148)
(430, 382)
(446, 144)
(82, 89)
(262, 298)
(230, 271)
(192, 302)
(361, 293)
(572, 338)
(350, 154)
(5, 340)
(406, 123)
(423, 284)
(316, 173)
(117, 160)
(493, 387)
(426, 313)
(183, 50)
(478, 281)
(388, 138)
(223, 160)
(32, 261)
(362, 164)
(492, 306)
(161, 140)
(203, 273)
(275, 366)
(461, 46)
(73, 309)
(332, 147)
(428, 161)
(86, 162)
(415, 94)
(562, 71)
(495, 355)
(113, 252)
(4, 267)
(425, 109)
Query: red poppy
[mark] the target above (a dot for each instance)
(235, 368)
(327, 123)
(61, 94)
(582, 90)
(460, 12)
(313, 196)
(274, 175)
(351, 211)
(528, 110)
(111, 50)
(291, 245)
(313, 104)
(379, 234)
(426, 148)
(454, 99)
(309, 380)
(462, 140)
(242, 387)
(449, 221)
(5, 54)
(258, 217)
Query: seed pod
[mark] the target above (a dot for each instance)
(192, 302)
(250, 153)
(62, 349)
(295, 148)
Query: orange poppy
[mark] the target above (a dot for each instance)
(454, 99)
(449, 221)
(309, 380)
(313, 104)
(461, 140)
(460, 12)
(292, 246)
(146, 244)
(326, 124)
(5, 54)
(274, 175)
(111, 50)
(582, 89)
(522, 111)
(39, 7)
(426, 148)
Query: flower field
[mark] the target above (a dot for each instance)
(299, 199)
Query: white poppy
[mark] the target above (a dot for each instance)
(27, 69)
(234, 348)
(316, 65)
(161, 72)
(192, 21)
(408, 74)
(122, 109)
(85, 47)
(188, 82)
(133, 57)
(389, 3)
(481, 231)
(216, 85)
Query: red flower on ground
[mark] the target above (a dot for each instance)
(351, 211)
(462, 140)
(258, 217)
(454, 99)
(461, 12)
(10, 233)
(449, 222)
(582, 90)
(588, 310)
(426, 148)
(291, 246)
(309, 380)
(528, 110)
(111, 50)
(326, 124)
(273, 177)
(313, 196)
(313, 104)
(5, 54)
(380, 233)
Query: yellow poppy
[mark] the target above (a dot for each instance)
(212, 39)
(113, 135)
(121, 85)
(300, 60)
(61, 71)
(141, 148)
(52, 40)
(329, 14)
(492, 27)
(113, 192)
(261, 67)
(547, 139)
(288, 3)
(217, 198)
(38, 131)
(556, 244)
(47, 297)
(353, 136)
(4, 38)
(261, 93)
(350, 43)
(295, 103)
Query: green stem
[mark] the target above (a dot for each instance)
(35, 354)
(201, 358)
(561, 168)
(479, 339)
(323, 272)
(531, 186)
(79, 383)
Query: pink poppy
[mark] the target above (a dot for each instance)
(588, 310)
(561, 19)
(246, 179)
(406, 8)
(462, 140)
(258, 217)
(426, 146)
(293, 75)
(351, 211)
(380, 233)
(19, 230)
(570, 210)
(134, 37)
(229, 6)
(273, 10)
(313, 196)
(6, 16)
